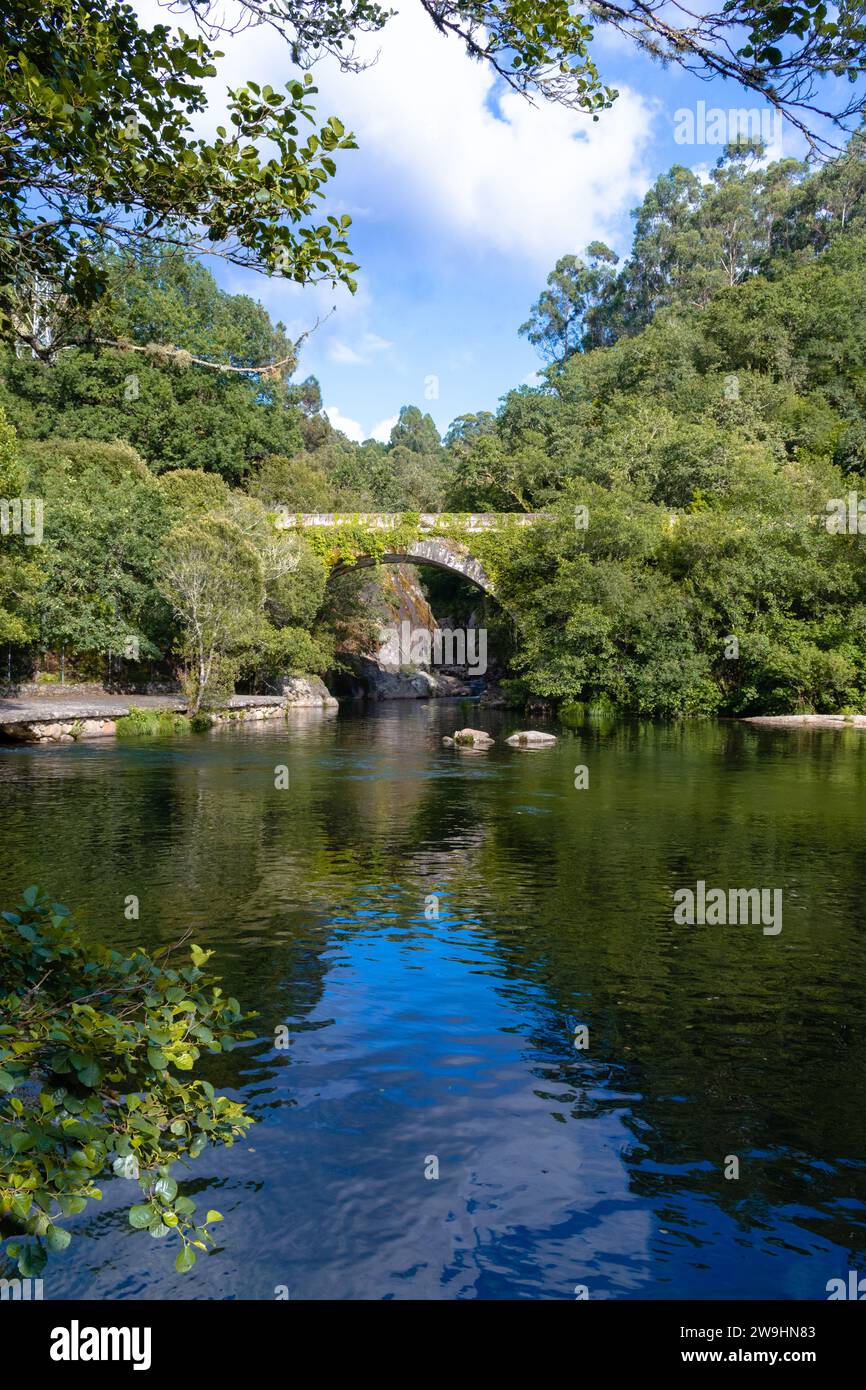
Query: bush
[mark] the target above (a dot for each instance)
(149, 723)
(97, 1052)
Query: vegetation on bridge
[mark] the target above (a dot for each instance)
(353, 537)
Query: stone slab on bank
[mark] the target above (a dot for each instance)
(55, 717)
(814, 721)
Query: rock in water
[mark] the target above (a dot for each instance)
(476, 738)
(531, 738)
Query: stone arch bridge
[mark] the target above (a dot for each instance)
(441, 539)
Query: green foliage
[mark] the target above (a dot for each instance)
(297, 483)
(212, 578)
(695, 238)
(97, 1059)
(706, 446)
(98, 149)
(21, 575)
(148, 723)
(174, 417)
(562, 320)
(104, 523)
(159, 294)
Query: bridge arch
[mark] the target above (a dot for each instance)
(431, 538)
(440, 554)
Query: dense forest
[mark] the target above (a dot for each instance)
(698, 423)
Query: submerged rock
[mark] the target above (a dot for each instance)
(531, 738)
(475, 738)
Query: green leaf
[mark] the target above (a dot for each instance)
(32, 1260)
(126, 1166)
(185, 1260)
(57, 1239)
(140, 1216)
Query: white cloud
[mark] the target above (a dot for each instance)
(373, 343)
(355, 431)
(350, 428)
(348, 356)
(341, 352)
(441, 147)
(382, 431)
(523, 180)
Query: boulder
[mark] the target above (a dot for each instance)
(449, 742)
(531, 738)
(305, 691)
(474, 738)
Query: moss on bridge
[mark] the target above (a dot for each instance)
(351, 539)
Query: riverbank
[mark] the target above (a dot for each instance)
(57, 716)
(814, 721)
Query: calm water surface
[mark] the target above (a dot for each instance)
(414, 1037)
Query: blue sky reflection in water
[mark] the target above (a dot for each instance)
(453, 1038)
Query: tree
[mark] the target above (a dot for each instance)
(96, 136)
(161, 295)
(97, 1055)
(97, 149)
(415, 431)
(174, 416)
(104, 520)
(468, 427)
(297, 483)
(21, 575)
(565, 318)
(175, 413)
(212, 578)
(694, 237)
(667, 251)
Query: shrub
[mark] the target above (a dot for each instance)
(148, 723)
(97, 1052)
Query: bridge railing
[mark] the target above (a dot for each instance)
(390, 521)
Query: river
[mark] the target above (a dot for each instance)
(435, 927)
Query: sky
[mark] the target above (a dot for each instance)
(462, 196)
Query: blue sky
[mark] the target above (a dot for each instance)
(462, 197)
